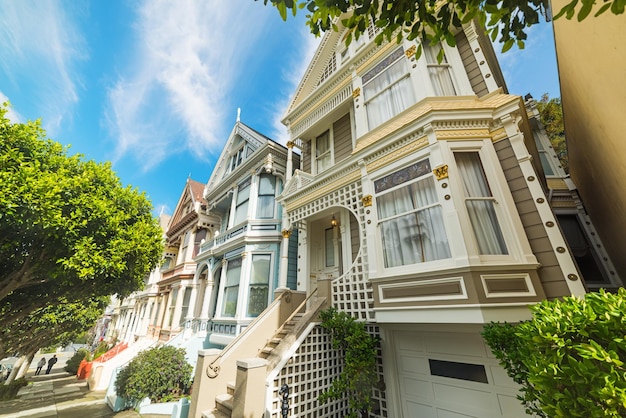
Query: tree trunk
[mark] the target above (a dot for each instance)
(26, 365)
(15, 369)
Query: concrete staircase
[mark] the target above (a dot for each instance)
(271, 354)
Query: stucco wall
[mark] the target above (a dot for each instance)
(592, 68)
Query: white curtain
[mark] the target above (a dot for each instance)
(388, 94)
(322, 152)
(243, 198)
(439, 72)
(412, 225)
(480, 204)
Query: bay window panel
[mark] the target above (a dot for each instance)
(388, 94)
(322, 152)
(266, 200)
(243, 199)
(410, 220)
(480, 204)
(259, 284)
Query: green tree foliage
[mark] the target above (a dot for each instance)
(551, 116)
(74, 362)
(161, 374)
(569, 359)
(359, 375)
(435, 20)
(68, 228)
(55, 324)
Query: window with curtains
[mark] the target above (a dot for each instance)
(243, 198)
(410, 218)
(322, 152)
(480, 204)
(231, 287)
(387, 89)
(174, 296)
(439, 72)
(259, 284)
(266, 201)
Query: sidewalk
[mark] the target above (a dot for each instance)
(60, 395)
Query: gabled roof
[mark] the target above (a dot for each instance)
(186, 211)
(240, 135)
(324, 53)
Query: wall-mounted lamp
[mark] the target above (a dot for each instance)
(333, 221)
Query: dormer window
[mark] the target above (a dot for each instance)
(237, 158)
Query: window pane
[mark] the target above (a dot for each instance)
(388, 94)
(439, 72)
(259, 284)
(266, 200)
(329, 247)
(411, 226)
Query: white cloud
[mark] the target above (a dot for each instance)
(11, 114)
(188, 57)
(41, 42)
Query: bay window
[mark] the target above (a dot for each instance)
(259, 284)
(387, 89)
(480, 204)
(410, 217)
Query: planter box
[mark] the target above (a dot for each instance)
(178, 409)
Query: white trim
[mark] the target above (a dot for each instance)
(455, 314)
(526, 277)
(460, 280)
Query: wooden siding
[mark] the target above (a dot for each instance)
(471, 66)
(354, 237)
(306, 157)
(550, 272)
(342, 134)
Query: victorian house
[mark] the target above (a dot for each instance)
(421, 209)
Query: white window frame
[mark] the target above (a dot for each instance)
(249, 282)
(506, 212)
(330, 153)
(259, 195)
(422, 266)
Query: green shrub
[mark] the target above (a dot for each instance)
(8, 392)
(161, 374)
(100, 350)
(569, 359)
(74, 362)
(359, 375)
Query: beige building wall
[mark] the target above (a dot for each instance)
(592, 68)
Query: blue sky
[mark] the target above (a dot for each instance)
(154, 85)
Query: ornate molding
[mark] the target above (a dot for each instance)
(367, 200)
(441, 172)
(286, 233)
(410, 52)
(356, 92)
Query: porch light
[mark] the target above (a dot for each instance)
(333, 222)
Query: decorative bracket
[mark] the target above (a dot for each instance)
(441, 172)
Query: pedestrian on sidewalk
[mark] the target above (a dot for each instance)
(51, 363)
(40, 365)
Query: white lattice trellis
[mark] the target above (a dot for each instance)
(310, 371)
(352, 293)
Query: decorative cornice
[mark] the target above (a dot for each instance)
(441, 172)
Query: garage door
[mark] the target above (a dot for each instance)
(451, 375)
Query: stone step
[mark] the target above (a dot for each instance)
(224, 404)
(230, 388)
